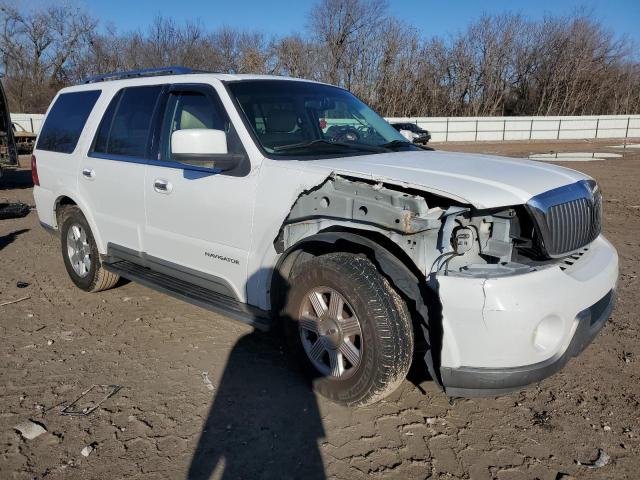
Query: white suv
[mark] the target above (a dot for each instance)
(277, 199)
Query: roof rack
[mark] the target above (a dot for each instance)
(148, 72)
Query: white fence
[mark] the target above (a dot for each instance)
(470, 129)
(31, 122)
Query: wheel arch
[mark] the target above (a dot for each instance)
(65, 199)
(390, 260)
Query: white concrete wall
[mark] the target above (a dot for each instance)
(31, 122)
(469, 129)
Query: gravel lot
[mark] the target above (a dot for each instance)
(254, 417)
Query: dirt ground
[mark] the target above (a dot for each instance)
(256, 418)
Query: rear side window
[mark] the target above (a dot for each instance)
(126, 124)
(65, 121)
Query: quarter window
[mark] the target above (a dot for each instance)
(65, 121)
(126, 124)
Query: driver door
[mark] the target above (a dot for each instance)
(198, 220)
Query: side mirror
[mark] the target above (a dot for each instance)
(203, 147)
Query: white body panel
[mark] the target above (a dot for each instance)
(480, 180)
(201, 213)
(279, 186)
(115, 199)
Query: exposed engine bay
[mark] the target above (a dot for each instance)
(438, 234)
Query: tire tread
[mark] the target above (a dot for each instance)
(387, 311)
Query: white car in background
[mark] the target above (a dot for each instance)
(232, 192)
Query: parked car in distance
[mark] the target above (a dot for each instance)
(413, 133)
(275, 199)
(25, 140)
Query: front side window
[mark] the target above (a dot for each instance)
(126, 124)
(65, 121)
(292, 118)
(188, 110)
(196, 108)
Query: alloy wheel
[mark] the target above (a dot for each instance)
(330, 332)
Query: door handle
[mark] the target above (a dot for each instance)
(162, 186)
(88, 173)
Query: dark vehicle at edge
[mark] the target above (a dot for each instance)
(8, 153)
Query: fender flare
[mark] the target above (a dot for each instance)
(400, 276)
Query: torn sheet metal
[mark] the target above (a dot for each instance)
(366, 203)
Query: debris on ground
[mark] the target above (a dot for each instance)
(30, 429)
(92, 398)
(88, 450)
(206, 381)
(22, 284)
(14, 301)
(541, 419)
(602, 460)
(14, 210)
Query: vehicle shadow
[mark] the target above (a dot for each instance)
(264, 421)
(11, 237)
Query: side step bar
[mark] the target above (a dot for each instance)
(190, 293)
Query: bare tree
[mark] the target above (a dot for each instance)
(343, 30)
(500, 65)
(38, 51)
(295, 56)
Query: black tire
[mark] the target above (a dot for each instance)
(96, 277)
(386, 333)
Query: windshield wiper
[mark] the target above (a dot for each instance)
(396, 143)
(321, 143)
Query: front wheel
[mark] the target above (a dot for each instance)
(349, 328)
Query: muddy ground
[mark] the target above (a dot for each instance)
(256, 418)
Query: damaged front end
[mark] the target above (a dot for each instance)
(438, 234)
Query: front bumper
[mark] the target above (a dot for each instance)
(473, 382)
(501, 334)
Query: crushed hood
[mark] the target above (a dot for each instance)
(483, 181)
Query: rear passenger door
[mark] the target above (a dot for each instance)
(111, 177)
(198, 218)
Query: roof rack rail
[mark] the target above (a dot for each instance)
(148, 72)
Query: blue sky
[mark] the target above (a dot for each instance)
(431, 17)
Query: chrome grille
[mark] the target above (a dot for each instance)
(567, 218)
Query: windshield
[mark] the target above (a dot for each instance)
(295, 118)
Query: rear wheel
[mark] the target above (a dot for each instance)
(349, 328)
(80, 253)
